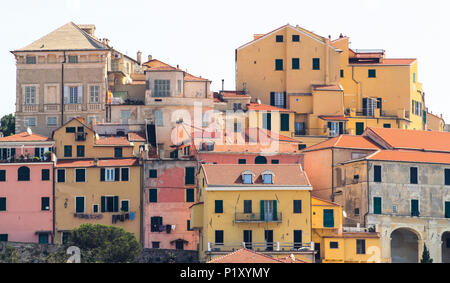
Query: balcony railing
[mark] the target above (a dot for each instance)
(257, 217)
(51, 107)
(354, 229)
(265, 247)
(72, 107)
(30, 108)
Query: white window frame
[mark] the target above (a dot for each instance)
(94, 94)
(161, 88)
(98, 208)
(109, 172)
(278, 98)
(73, 95)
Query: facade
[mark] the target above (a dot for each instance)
(26, 189)
(434, 122)
(266, 208)
(65, 74)
(97, 180)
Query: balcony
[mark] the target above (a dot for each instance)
(94, 107)
(264, 247)
(30, 108)
(51, 107)
(72, 107)
(257, 218)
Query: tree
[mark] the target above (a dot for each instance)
(104, 244)
(426, 255)
(8, 125)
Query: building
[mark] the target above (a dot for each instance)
(434, 122)
(266, 208)
(64, 74)
(26, 189)
(97, 180)
(249, 256)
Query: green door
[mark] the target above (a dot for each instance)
(447, 209)
(414, 207)
(359, 128)
(376, 205)
(328, 218)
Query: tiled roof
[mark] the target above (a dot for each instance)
(67, 37)
(281, 148)
(345, 141)
(265, 107)
(189, 77)
(137, 137)
(245, 256)
(122, 141)
(291, 259)
(411, 139)
(233, 93)
(333, 118)
(260, 134)
(25, 137)
(72, 163)
(231, 174)
(411, 156)
(157, 65)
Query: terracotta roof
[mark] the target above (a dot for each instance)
(245, 256)
(157, 65)
(24, 137)
(328, 87)
(265, 107)
(189, 77)
(411, 139)
(231, 174)
(233, 93)
(262, 133)
(122, 141)
(405, 62)
(140, 137)
(411, 156)
(101, 163)
(333, 118)
(345, 141)
(282, 147)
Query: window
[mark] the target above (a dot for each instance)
(190, 195)
(237, 106)
(447, 177)
(153, 173)
(237, 127)
(278, 99)
(275, 161)
(159, 121)
(369, 106)
(334, 245)
(301, 146)
(79, 204)
(80, 150)
(328, 218)
(267, 179)
(242, 161)
(284, 122)
(118, 152)
(30, 95)
(188, 225)
(61, 178)
(3, 237)
(109, 174)
(336, 128)
(45, 204)
(387, 126)
(67, 151)
(447, 209)
(31, 60)
(162, 88)
(248, 179)
(94, 92)
(260, 160)
(52, 121)
(218, 206)
(45, 174)
(155, 222)
(125, 174)
(110, 203)
(377, 174)
(295, 38)
(361, 247)
(179, 85)
(415, 207)
(413, 175)
(2, 204)
(2, 175)
(278, 64)
(377, 205)
(297, 206)
(155, 245)
(70, 130)
(342, 73)
(295, 64)
(73, 95)
(30, 122)
(80, 175)
(43, 239)
(279, 38)
(247, 239)
(95, 208)
(190, 176)
(125, 116)
(73, 59)
(247, 206)
(356, 212)
(372, 73)
(218, 237)
(153, 195)
(316, 64)
(297, 239)
(414, 77)
(359, 128)
(394, 209)
(23, 174)
(125, 206)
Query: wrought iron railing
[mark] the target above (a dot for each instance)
(258, 217)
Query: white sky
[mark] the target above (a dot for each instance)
(202, 35)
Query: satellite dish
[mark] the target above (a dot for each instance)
(29, 131)
(344, 213)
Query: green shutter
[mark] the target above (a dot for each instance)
(328, 218)
(190, 176)
(284, 122)
(153, 195)
(415, 207)
(447, 209)
(103, 204)
(262, 209)
(2, 204)
(102, 174)
(275, 215)
(377, 205)
(36, 152)
(79, 204)
(116, 204)
(125, 174)
(116, 174)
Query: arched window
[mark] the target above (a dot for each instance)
(24, 174)
(260, 160)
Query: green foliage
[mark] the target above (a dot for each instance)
(8, 125)
(426, 255)
(104, 244)
(60, 256)
(10, 256)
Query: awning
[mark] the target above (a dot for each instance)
(179, 240)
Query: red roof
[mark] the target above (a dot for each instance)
(122, 141)
(265, 107)
(411, 156)
(245, 256)
(25, 137)
(137, 137)
(345, 141)
(62, 163)
(156, 65)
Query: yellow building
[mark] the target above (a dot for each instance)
(434, 122)
(379, 92)
(337, 244)
(295, 69)
(266, 208)
(97, 180)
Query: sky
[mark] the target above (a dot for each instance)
(201, 35)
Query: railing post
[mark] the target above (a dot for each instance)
(243, 245)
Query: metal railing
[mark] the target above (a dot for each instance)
(257, 217)
(267, 247)
(355, 229)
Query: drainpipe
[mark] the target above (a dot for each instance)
(368, 195)
(332, 175)
(62, 88)
(54, 222)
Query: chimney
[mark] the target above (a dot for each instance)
(139, 57)
(150, 58)
(89, 29)
(223, 84)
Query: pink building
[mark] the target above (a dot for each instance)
(169, 190)
(26, 189)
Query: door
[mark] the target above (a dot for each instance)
(270, 210)
(317, 249)
(268, 240)
(248, 239)
(359, 128)
(328, 218)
